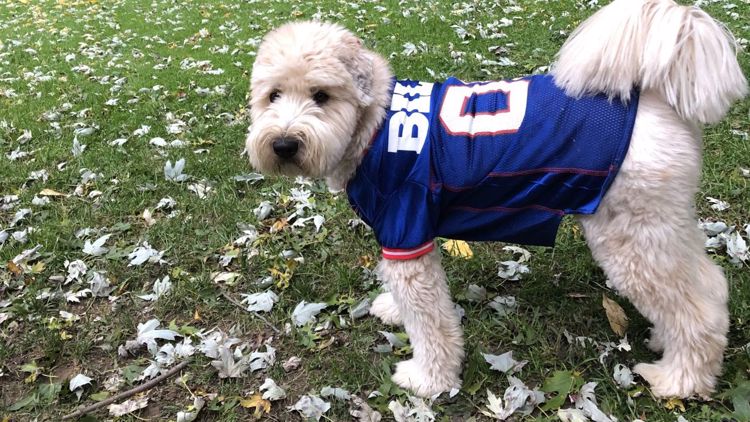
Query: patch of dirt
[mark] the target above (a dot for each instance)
(12, 389)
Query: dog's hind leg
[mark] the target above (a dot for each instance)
(659, 266)
(420, 290)
(645, 237)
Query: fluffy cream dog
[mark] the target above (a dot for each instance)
(318, 97)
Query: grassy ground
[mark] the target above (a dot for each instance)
(139, 53)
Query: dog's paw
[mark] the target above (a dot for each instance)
(424, 383)
(386, 309)
(668, 381)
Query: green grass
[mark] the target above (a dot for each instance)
(562, 292)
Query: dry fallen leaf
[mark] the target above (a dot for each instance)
(257, 402)
(128, 406)
(279, 225)
(504, 363)
(458, 248)
(305, 312)
(148, 218)
(366, 261)
(291, 364)
(311, 407)
(14, 268)
(50, 192)
(259, 302)
(271, 391)
(623, 376)
(675, 404)
(362, 412)
(37, 268)
(616, 316)
(282, 274)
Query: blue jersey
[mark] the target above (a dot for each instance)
(502, 160)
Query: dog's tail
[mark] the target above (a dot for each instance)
(679, 51)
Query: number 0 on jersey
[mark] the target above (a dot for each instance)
(456, 120)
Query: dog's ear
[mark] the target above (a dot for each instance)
(360, 65)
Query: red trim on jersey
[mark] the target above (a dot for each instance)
(404, 254)
(510, 209)
(552, 170)
(559, 170)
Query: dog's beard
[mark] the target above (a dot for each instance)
(323, 138)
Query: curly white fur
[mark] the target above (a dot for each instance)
(680, 52)
(296, 60)
(420, 292)
(644, 233)
(645, 237)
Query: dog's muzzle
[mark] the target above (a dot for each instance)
(286, 147)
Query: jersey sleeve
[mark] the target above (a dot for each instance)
(405, 227)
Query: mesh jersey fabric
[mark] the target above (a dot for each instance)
(502, 160)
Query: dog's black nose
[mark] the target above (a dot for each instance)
(286, 147)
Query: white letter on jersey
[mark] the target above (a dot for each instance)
(406, 124)
(421, 103)
(492, 122)
(413, 127)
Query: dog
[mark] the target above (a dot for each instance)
(642, 75)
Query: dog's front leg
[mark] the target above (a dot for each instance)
(420, 291)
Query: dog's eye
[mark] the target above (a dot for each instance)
(274, 96)
(320, 97)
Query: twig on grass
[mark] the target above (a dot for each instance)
(125, 394)
(241, 306)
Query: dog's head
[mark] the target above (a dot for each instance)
(309, 85)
